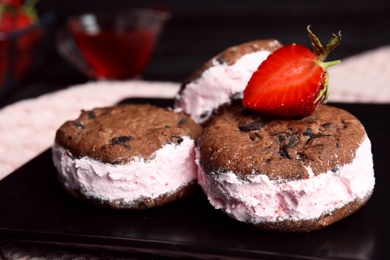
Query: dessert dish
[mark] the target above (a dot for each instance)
(286, 175)
(222, 78)
(127, 156)
(280, 159)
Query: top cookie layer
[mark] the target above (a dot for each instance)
(230, 55)
(118, 133)
(247, 143)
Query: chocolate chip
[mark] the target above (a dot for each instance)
(292, 141)
(204, 114)
(221, 59)
(91, 115)
(121, 140)
(326, 125)
(176, 139)
(281, 138)
(283, 152)
(252, 126)
(181, 121)
(288, 139)
(78, 124)
(319, 135)
(335, 169)
(307, 132)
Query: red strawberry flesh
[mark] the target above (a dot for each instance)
(286, 78)
(292, 81)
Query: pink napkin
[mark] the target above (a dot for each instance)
(362, 78)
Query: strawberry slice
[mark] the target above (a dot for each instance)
(293, 80)
(16, 15)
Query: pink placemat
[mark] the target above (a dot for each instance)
(362, 78)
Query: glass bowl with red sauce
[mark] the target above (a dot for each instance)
(111, 46)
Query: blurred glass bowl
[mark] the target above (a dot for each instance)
(111, 45)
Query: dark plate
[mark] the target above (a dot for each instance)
(35, 208)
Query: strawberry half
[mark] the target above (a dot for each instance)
(293, 80)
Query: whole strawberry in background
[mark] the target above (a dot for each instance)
(293, 80)
(16, 16)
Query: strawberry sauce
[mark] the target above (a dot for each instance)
(116, 55)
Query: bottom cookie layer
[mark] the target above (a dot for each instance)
(141, 203)
(314, 224)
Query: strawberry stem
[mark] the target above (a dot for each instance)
(29, 9)
(315, 42)
(321, 53)
(319, 50)
(328, 64)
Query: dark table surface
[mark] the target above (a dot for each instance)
(200, 29)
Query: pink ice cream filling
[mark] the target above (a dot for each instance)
(259, 199)
(168, 169)
(218, 84)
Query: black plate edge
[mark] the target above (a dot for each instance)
(153, 248)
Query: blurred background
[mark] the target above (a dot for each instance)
(197, 30)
